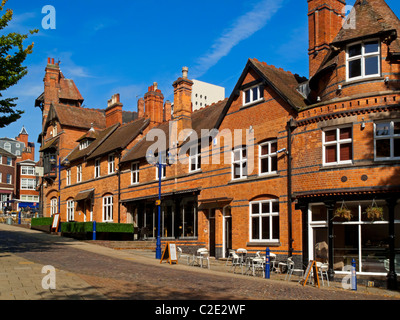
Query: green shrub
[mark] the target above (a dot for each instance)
(41, 221)
(81, 227)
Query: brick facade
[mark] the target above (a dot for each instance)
(286, 145)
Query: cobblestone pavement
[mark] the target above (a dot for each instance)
(92, 271)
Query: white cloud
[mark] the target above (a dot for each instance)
(244, 27)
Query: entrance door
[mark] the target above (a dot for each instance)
(227, 241)
(320, 244)
(211, 221)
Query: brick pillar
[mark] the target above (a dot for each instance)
(154, 104)
(51, 86)
(114, 111)
(183, 101)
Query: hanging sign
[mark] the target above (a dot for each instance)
(169, 253)
(312, 265)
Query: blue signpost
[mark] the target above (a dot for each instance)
(267, 264)
(94, 230)
(353, 275)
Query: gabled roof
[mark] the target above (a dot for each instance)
(205, 118)
(283, 82)
(77, 154)
(6, 153)
(371, 18)
(68, 90)
(120, 138)
(77, 117)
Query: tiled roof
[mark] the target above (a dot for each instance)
(80, 117)
(282, 81)
(205, 118)
(76, 154)
(68, 90)
(121, 137)
(372, 17)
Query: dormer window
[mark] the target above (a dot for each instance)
(84, 144)
(253, 94)
(363, 60)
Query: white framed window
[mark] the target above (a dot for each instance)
(68, 179)
(79, 173)
(363, 60)
(28, 184)
(337, 145)
(387, 140)
(30, 198)
(1, 177)
(239, 163)
(97, 168)
(70, 210)
(53, 206)
(111, 163)
(108, 208)
(135, 173)
(268, 157)
(264, 220)
(27, 171)
(84, 144)
(9, 178)
(195, 158)
(253, 94)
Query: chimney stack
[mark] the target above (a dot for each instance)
(183, 101)
(153, 102)
(140, 108)
(114, 111)
(325, 19)
(167, 111)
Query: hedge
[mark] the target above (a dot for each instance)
(41, 221)
(77, 227)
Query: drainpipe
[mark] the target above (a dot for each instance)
(119, 187)
(291, 126)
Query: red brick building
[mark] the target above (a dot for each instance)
(267, 167)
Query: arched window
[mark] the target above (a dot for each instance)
(53, 206)
(7, 146)
(108, 208)
(70, 210)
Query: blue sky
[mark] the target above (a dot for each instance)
(123, 46)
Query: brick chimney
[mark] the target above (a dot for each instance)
(140, 108)
(114, 111)
(154, 101)
(167, 111)
(325, 19)
(51, 86)
(183, 101)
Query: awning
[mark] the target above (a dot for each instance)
(28, 204)
(6, 191)
(83, 195)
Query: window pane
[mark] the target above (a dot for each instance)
(330, 154)
(255, 94)
(265, 207)
(397, 147)
(244, 166)
(247, 96)
(396, 127)
(355, 50)
(236, 155)
(383, 148)
(345, 133)
(371, 65)
(236, 171)
(382, 129)
(264, 149)
(255, 224)
(330, 135)
(255, 208)
(346, 152)
(371, 47)
(274, 147)
(274, 163)
(275, 227)
(355, 68)
(265, 228)
(264, 165)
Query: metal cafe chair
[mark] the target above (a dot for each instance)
(203, 255)
(187, 256)
(230, 256)
(291, 269)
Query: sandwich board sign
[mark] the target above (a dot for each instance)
(312, 265)
(169, 253)
(55, 223)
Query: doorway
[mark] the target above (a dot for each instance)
(211, 232)
(227, 231)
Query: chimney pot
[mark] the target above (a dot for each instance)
(155, 86)
(185, 72)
